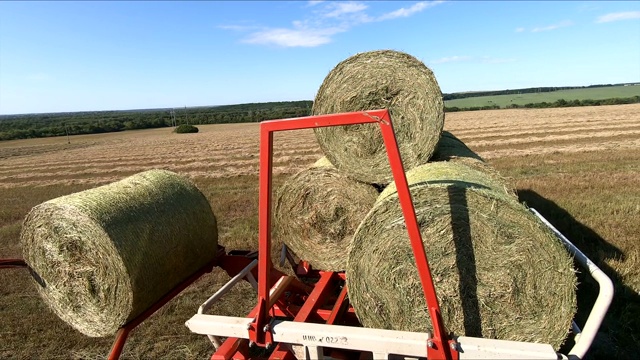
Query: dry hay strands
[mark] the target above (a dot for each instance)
(316, 213)
(382, 79)
(449, 147)
(102, 256)
(323, 162)
(452, 149)
(498, 272)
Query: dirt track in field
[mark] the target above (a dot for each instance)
(229, 150)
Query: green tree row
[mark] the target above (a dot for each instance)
(60, 124)
(555, 104)
(464, 95)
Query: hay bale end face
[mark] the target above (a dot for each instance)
(380, 80)
(316, 213)
(102, 256)
(498, 272)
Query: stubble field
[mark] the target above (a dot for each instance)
(580, 167)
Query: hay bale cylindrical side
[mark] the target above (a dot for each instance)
(498, 272)
(102, 256)
(454, 150)
(316, 213)
(382, 79)
(449, 147)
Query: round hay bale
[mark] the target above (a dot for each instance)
(452, 149)
(316, 213)
(375, 80)
(499, 273)
(101, 257)
(449, 147)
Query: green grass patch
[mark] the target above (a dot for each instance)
(599, 93)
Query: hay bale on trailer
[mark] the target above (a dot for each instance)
(375, 80)
(101, 257)
(317, 211)
(498, 272)
(452, 149)
(449, 148)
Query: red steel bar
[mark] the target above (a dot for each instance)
(440, 348)
(123, 332)
(314, 301)
(267, 128)
(339, 307)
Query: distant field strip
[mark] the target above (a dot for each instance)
(598, 93)
(233, 150)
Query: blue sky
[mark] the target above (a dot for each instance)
(83, 56)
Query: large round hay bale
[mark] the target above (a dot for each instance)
(449, 147)
(102, 256)
(452, 149)
(375, 80)
(498, 272)
(316, 213)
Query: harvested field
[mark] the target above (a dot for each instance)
(579, 166)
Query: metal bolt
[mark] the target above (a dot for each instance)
(268, 346)
(266, 328)
(453, 345)
(248, 326)
(430, 343)
(251, 343)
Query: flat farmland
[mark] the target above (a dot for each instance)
(580, 167)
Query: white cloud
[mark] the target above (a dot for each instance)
(627, 15)
(450, 59)
(405, 12)
(553, 27)
(293, 37)
(341, 8)
(324, 21)
(520, 29)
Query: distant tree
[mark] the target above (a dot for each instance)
(186, 129)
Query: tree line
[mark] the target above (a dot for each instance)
(75, 123)
(464, 95)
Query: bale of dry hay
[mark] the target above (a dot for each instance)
(498, 272)
(449, 147)
(323, 162)
(102, 256)
(452, 149)
(376, 80)
(316, 213)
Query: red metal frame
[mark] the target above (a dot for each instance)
(440, 345)
(303, 302)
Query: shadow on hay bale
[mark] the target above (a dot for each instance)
(498, 272)
(452, 149)
(375, 80)
(317, 211)
(102, 256)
